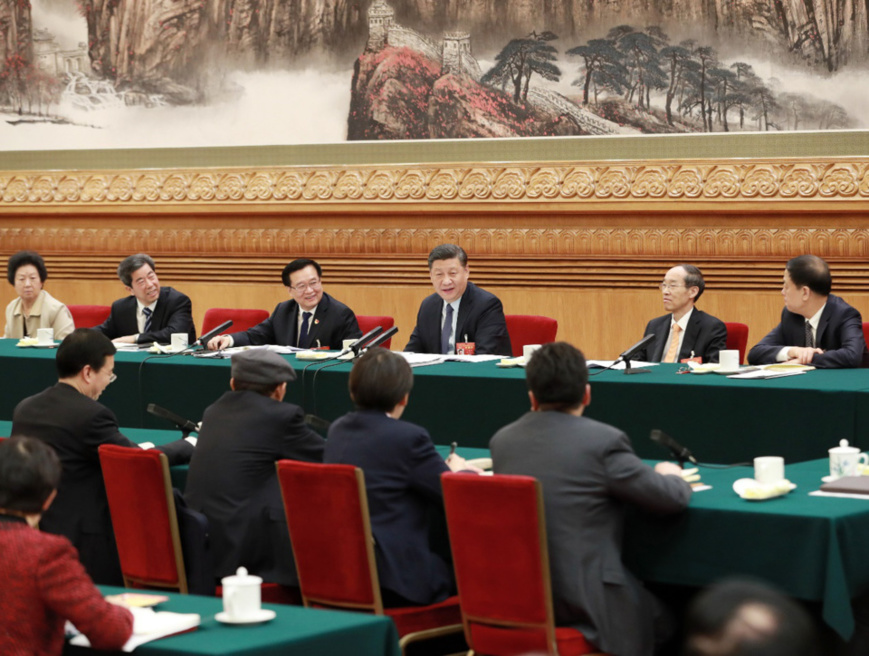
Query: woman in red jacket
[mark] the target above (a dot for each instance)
(42, 580)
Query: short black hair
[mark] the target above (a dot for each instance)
(447, 252)
(694, 278)
(266, 389)
(83, 346)
(23, 258)
(29, 472)
(379, 380)
(557, 375)
(742, 617)
(812, 272)
(298, 265)
(129, 266)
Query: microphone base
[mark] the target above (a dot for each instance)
(637, 371)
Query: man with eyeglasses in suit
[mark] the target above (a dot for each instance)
(311, 319)
(685, 332)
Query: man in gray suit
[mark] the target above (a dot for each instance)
(588, 471)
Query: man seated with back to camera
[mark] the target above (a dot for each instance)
(589, 472)
(43, 583)
(232, 478)
(69, 419)
(402, 478)
(310, 319)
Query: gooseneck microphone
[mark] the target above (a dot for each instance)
(185, 425)
(203, 340)
(377, 341)
(632, 351)
(681, 453)
(359, 343)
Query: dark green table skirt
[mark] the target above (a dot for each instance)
(295, 630)
(721, 420)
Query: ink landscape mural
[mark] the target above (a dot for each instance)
(178, 73)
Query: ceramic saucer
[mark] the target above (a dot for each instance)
(263, 615)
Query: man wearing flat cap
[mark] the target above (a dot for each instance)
(232, 478)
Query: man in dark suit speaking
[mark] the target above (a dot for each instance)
(588, 472)
(151, 313)
(816, 327)
(68, 418)
(311, 319)
(686, 332)
(458, 311)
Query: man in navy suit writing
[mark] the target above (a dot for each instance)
(150, 313)
(817, 327)
(458, 311)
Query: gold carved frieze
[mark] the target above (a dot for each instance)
(647, 181)
(570, 243)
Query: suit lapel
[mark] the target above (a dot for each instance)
(824, 322)
(320, 318)
(691, 332)
(662, 331)
(157, 321)
(465, 308)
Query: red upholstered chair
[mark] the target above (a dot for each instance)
(737, 338)
(88, 316)
(866, 331)
(498, 539)
(241, 319)
(330, 529)
(530, 329)
(367, 322)
(142, 507)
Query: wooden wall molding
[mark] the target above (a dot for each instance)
(567, 243)
(813, 180)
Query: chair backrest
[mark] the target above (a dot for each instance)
(866, 331)
(737, 338)
(142, 507)
(88, 316)
(330, 530)
(369, 321)
(242, 319)
(498, 538)
(529, 329)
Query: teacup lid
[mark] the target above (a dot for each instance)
(844, 448)
(241, 577)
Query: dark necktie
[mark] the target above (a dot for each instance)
(447, 330)
(810, 341)
(303, 333)
(147, 312)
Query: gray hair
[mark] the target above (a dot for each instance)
(129, 265)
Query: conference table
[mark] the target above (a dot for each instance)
(719, 419)
(813, 548)
(295, 630)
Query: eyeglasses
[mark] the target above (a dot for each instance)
(303, 286)
(664, 286)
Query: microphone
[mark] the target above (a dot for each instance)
(317, 423)
(679, 452)
(377, 341)
(211, 333)
(357, 345)
(185, 425)
(632, 351)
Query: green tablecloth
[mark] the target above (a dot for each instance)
(295, 630)
(721, 420)
(814, 548)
